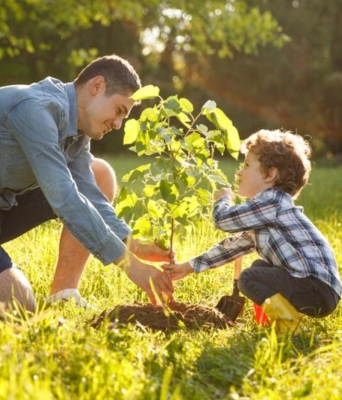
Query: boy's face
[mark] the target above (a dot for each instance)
(251, 179)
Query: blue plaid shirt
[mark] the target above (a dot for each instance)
(278, 231)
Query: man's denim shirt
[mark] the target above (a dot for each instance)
(40, 146)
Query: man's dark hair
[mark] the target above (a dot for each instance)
(119, 75)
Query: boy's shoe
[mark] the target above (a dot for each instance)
(281, 312)
(66, 295)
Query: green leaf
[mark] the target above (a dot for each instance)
(186, 105)
(165, 135)
(233, 142)
(184, 119)
(221, 148)
(143, 142)
(186, 208)
(146, 92)
(136, 173)
(223, 121)
(163, 242)
(150, 114)
(154, 209)
(215, 136)
(142, 227)
(132, 128)
(175, 146)
(176, 132)
(202, 154)
(219, 119)
(193, 137)
(193, 206)
(171, 107)
(125, 203)
(173, 103)
(204, 196)
(210, 105)
(202, 129)
(168, 191)
(149, 190)
(180, 211)
(190, 181)
(218, 179)
(199, 143)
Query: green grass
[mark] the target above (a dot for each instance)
(57, 355)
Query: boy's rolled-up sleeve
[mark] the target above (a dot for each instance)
(224, 252)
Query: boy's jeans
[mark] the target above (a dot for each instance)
(309, 296)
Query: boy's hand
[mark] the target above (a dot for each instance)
(177, 271)
(224, 192)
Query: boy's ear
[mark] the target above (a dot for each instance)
(272, 175)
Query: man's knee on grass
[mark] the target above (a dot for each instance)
(15, 291)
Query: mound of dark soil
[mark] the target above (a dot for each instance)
(178, 316)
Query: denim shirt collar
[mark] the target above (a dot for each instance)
(73, 112)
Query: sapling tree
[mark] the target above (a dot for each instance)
(177, 185)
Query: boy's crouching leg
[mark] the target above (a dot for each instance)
(15, 290)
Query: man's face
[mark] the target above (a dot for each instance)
(103, 114)
(106, 114)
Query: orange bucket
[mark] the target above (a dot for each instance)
(260, 316)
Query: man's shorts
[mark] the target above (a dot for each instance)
(32, 210)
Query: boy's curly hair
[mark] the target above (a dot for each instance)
(286, 151)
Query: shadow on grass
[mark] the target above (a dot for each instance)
(247, 360)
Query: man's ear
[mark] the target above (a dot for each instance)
(96, 85)
(272, 175)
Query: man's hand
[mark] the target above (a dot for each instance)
(154, 282)
(178, 271)
(149, 251)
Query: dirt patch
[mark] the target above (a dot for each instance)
(179, 316)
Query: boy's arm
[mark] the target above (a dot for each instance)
(222, 253)
(250, 215)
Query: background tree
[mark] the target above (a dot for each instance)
(237, 53)
(57, 37)
(51, 34)
(297, 87)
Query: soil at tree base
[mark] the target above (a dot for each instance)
(176, 316)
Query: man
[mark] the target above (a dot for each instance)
(47, 171)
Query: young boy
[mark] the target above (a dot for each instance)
(297, 271)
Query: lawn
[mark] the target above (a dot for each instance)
(57, 354)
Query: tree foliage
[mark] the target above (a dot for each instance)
(271, 63)
(177, 182)
(47, 31)
(297, 87)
